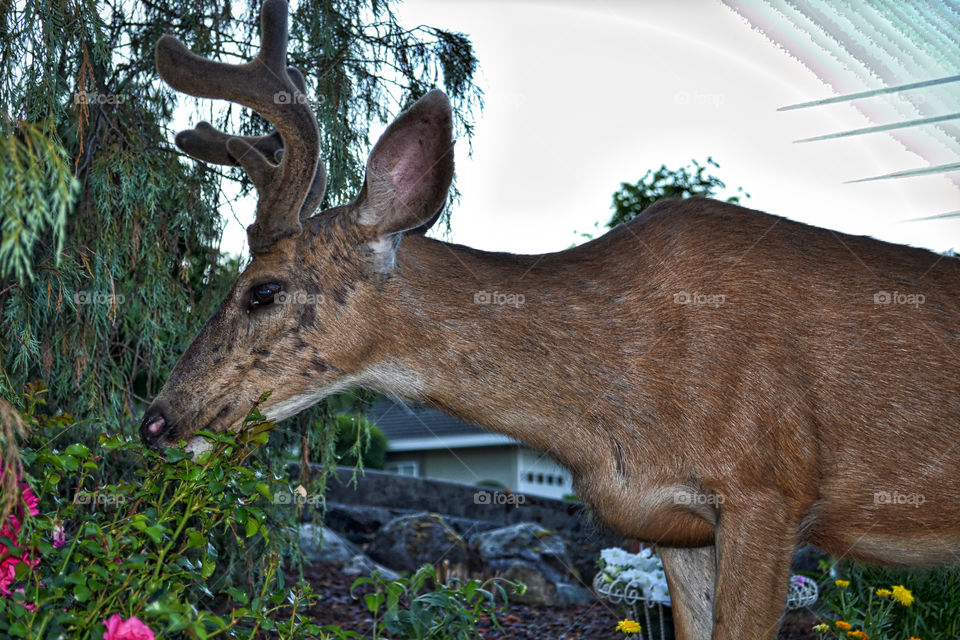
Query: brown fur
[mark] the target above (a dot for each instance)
(751, 423)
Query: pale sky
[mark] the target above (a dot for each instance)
(583, 96)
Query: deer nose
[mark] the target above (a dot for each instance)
(153, 427)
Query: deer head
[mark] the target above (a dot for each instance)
(296, 321)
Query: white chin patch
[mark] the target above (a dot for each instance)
(197, 445)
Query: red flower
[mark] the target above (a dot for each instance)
(129, 629)
(7, 574)
(30, 499)
(9, 530)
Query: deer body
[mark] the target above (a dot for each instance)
(799, 387)
(721, 382)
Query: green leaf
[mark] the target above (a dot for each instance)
(78, 450)
(238, 595)
(208, 568)
(155, 532)
(373, 601)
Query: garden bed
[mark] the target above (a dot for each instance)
(596, 621)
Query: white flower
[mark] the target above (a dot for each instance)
(641, 571)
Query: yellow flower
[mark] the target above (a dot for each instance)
(884, 593)
(912, 638)
(860, 635)
(902, 595)
(821, 628)
(843, 584)
(844, 625)
(628, 626)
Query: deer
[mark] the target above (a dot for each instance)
(721, 382)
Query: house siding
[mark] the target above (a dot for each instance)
(473, 465)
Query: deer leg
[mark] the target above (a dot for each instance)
(691, 576)
(755, 544)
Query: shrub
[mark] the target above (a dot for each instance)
(85, 551)
(422, 606)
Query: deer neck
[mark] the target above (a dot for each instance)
(487, 337)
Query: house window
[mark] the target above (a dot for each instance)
(410, 468)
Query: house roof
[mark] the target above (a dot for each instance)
(410, 426)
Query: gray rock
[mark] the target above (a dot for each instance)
(570, 593)
(358, 523)
(527, 542)
(531, 554)
(539, 590)
(319, 544)
(360, 564)
(409, 542)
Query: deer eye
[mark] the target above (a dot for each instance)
(263, 294)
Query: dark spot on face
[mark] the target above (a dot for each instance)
(308, 317)
(319, 364)
(258, 363)
(261, 351)
(340, 295)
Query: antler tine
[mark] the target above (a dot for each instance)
(206, 142)
(265, 85)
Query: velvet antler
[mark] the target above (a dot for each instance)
(283, 165)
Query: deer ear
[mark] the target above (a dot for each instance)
(409, 171)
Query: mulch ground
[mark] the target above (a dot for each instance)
(594, 621)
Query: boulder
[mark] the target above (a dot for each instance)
(358, 523)
(319, 544)
(539, 591)
(526, 542)
(407, 543)
(361, 564)
(535, 556)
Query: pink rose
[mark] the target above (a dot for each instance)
(7, 575)
(129, 629)
(9, 530)
(30, 499)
